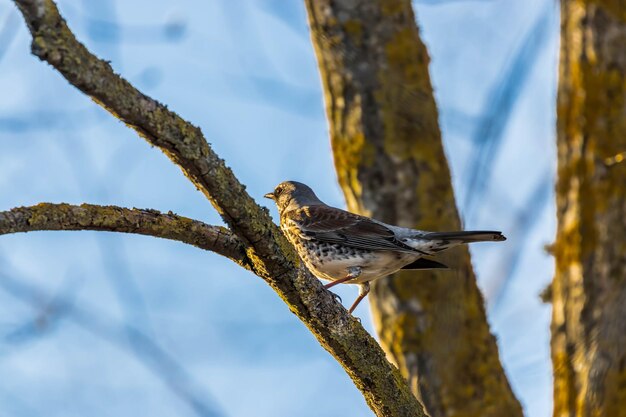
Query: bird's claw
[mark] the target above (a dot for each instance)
(336, 297)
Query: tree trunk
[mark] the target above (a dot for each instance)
(589, 287)
(391, 165)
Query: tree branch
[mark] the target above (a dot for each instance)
(273, 259)
(181, 141)
(48, 216)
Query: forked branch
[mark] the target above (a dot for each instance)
(271, 257)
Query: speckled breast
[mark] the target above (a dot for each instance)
(333, 261)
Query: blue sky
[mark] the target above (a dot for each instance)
(73, 303)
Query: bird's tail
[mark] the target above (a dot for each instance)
(466, 236)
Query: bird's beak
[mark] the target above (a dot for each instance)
(269, 195)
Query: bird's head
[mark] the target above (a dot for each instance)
(290, 195)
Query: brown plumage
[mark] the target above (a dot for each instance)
(340, 246)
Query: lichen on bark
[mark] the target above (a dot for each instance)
(391, 164)
(48, 216)
(589, 286)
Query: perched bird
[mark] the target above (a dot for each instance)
(340, 246)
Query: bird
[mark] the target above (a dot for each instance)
(343, 247)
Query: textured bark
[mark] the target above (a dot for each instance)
(271, 256)
(391, 165)
(47, 216)
(589, 287)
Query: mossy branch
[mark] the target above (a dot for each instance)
(272, 258)
(48, 216)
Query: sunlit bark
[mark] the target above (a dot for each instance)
(589, 287)
(391, 165)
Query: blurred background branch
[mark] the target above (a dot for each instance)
(50, 310)
(499, 104)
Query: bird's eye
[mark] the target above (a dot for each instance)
(279, 190)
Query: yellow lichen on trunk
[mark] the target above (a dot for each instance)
(391, 165)
(589, 287)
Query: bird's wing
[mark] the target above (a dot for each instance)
(332, 225)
